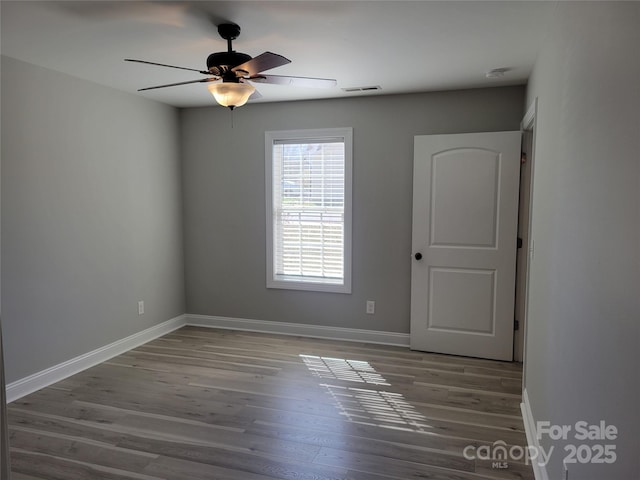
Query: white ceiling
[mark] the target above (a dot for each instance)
(404, 47)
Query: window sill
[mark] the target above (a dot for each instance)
(309, 284)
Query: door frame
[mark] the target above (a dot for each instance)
(528, 124)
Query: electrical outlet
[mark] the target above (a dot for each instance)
(371, 307)
(141, 307)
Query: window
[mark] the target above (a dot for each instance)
(308, 184)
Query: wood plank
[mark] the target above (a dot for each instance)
(22, 476)
(71, 447)
(393, 468)
(56, 468)
(177, 469)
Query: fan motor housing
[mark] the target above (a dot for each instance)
(228, 59)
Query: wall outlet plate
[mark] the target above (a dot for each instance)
(371, 307)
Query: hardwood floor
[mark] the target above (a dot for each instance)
(217, 404)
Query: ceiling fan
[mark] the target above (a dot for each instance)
(236, 70)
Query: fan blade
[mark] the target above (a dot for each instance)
(203, 80)
(170, 66)
(255, 95)
(262, 62)
(294, 81)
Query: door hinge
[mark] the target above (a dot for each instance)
(516, 324)
(519, 242)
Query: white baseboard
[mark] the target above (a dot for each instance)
(539, 471)
(297, 329)
(51, 375)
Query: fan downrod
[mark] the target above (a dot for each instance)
(229, 31)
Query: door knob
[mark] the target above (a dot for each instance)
(418, 256)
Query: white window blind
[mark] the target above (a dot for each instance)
(310, 203)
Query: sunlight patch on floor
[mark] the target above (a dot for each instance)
(341, 369)
(363, 405)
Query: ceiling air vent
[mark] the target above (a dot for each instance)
(362, 89)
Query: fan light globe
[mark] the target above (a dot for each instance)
(231, 94)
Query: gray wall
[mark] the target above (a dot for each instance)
(224, 196)
(5, 472)
(583, 335)
(91, 219)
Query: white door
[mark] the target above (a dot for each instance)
(465, 213)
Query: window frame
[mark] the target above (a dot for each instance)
(313, 284)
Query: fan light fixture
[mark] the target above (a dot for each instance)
(231, 94)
